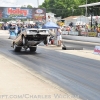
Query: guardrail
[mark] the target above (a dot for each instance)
(82, 38)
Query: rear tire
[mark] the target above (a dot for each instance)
(33, 49)
(16, 48)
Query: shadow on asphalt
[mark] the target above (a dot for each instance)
(24, 53)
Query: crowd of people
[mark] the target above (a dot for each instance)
(7, 26)
(82, 30)
(58, 32)
(18, 26)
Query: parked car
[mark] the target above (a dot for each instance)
(30, 38)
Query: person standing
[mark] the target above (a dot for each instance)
(19, 29)
(59, 37)
(16, 30)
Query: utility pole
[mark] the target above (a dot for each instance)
(86, 9)
(91, 11)
(38, 3)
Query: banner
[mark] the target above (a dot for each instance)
(22, 13)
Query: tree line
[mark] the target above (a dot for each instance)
(65, 8)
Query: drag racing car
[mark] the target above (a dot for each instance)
(30, 38)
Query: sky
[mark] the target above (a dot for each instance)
(19, 3)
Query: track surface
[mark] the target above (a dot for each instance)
(78, 75)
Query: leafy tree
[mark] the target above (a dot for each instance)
(23, 6)
(66, 8)
(29, 6)
(26, 6)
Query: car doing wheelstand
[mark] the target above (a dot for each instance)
(30, 38)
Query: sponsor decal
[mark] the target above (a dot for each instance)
(17, 11)
(39, 11)
(97, 50)
(39, 14)
(92, 34)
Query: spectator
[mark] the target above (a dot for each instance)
(71, 24)
(59, 37)
(19, 28)
(16, 30)
(35, 26)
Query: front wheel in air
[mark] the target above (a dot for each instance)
(24, 40)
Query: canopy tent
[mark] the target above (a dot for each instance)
(91, 4)
(50, 25)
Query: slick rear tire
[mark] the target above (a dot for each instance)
(33, 49)
(16, 48)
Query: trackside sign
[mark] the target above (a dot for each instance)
(97, 50)
(23, 13)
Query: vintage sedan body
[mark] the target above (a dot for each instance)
(30, 38)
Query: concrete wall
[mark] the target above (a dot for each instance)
(4, 32)
(70, 37)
